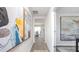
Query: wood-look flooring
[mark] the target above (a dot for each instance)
(39, 45)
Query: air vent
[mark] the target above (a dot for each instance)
(35, 12)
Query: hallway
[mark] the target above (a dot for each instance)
(39, 45)
(40, 16)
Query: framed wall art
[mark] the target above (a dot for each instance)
(69, 28)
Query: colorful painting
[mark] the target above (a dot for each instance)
(4, 20)
(68, 28)
(10, 34)
(14, 32)
(19, 24)
(27, 19)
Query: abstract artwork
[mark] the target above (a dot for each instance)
(9, 37)
(13, 33)
(19, 24)
(3, 17)
(27, 19)
(69, 28)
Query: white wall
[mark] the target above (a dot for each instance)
(49, 30)
(64, 12)
(42, 33)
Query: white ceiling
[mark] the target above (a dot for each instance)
(42, 11)
(67, 9)
(40, 14)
